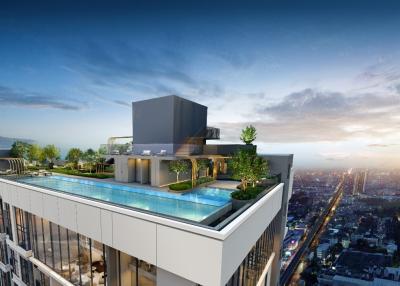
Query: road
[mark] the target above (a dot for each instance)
(312, 235)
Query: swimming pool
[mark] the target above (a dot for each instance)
(197, 205)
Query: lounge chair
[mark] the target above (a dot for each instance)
(45, 173)
(146, 152)
(162, 153)
(6, 172)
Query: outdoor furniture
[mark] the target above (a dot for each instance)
(45, 173)
(146, 152)
(6, 172)
(162, 153)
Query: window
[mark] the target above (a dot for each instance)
(22, 224)
(3, 253)
(14, 262)
(5, 279)
(75, 257)
(135, 272)
(26, 271)
(7, 220)
(40, 278)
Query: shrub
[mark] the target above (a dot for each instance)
(182, 186)
(203, 180)
(249, 194)
(80, 174)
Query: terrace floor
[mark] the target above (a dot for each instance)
(224, 184)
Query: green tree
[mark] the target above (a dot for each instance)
(202, 164)
(90, 156)
(240, 164)
(178, 167)
(248, 167)
(73, 156)
(51, 153)
(102, 150)
(19, 149)
(259, 169)
(249, 134)
(34, 153)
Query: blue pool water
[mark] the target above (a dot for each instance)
(196, 205)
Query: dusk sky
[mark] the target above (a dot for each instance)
(319, 81)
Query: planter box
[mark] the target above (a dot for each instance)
(237, 204)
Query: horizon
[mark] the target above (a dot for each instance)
(323, 84)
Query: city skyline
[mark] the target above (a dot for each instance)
(320, 81)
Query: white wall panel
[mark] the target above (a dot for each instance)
(50, 208)
(189, 255)
(106, 227)
(135, 237)
(67, 210)
(88, 220)
(37, 203)
(24, 199)
(14, 195)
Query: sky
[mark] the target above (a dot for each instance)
(320, 79)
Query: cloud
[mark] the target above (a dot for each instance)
(153, 72)
(334, 156)
(312, 115)
(13, 97)
(382, 145)
(379, 75)
(123, 103)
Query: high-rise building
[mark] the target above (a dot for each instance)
(60, 230)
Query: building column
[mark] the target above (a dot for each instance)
(112, 266)
(155, 172)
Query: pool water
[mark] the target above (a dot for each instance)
(197, 205)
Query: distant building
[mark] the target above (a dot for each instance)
(323, 250)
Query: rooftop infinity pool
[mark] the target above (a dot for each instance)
(198, 205)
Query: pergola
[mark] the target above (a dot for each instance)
(214, 158)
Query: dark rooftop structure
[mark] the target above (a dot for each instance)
(361, 265)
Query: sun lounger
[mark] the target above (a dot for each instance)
(6, 172)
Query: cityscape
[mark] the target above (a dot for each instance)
(357, 241)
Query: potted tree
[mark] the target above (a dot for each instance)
(249, 168)
(249, 134)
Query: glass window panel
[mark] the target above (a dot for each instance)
(3, 253)
(7, 221)
(47, 243)
(14, 262)
(66, 270)
(84, 260)
(74, 256)
(2, 227)
(98, 264)
(127, 270)
(147, 274)
(56, 247)
(39, 239)
(26, 271)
